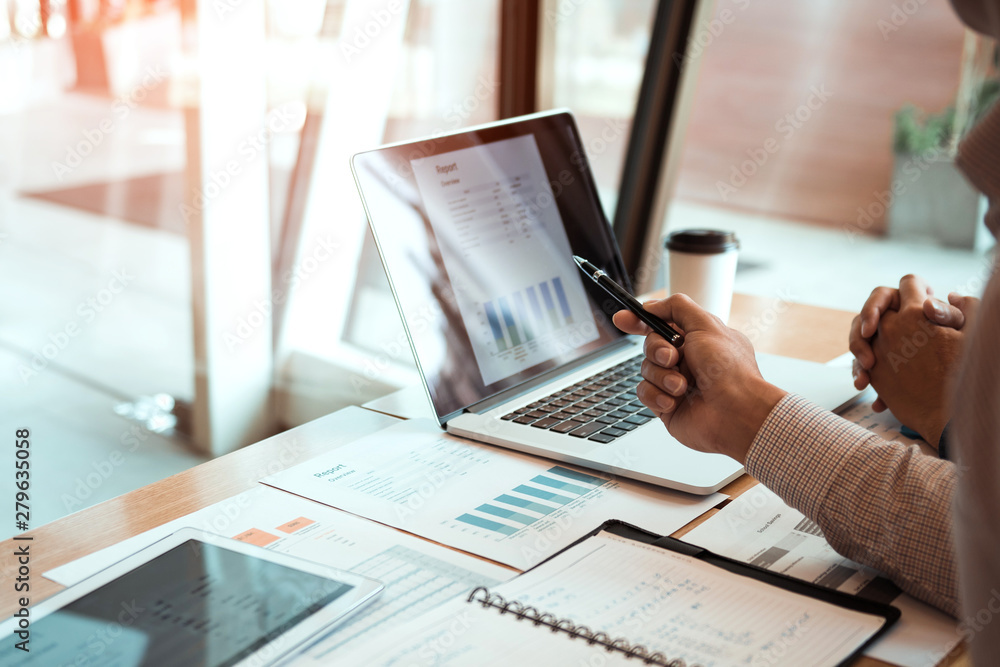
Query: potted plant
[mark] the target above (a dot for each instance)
(930, 198)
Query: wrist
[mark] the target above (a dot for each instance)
(759, 402)
(931, 422)
(931, 432)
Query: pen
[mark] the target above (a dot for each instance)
(619, 294)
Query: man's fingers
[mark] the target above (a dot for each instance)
(655, 347)
(669, 381)
(944, 314)
(860, 345)
(629, 323)
(879, 405)
(969, 305)
(660, 351)
(880, 300)
(656, 400)
(680, 309)
(913, 290)
(861, 379)
(959, 311)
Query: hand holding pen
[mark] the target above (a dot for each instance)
(710, 395)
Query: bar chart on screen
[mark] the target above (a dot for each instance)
(507, 255)
(528, 314)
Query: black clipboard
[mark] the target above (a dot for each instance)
(628, 531)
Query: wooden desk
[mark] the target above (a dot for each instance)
(129, 514)
(792, 329)
(807, 332)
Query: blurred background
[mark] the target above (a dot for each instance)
(186, 265)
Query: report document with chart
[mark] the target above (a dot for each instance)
(477, 232)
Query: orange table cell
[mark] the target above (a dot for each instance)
(295, 524)
(256, 537)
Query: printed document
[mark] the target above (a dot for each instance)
(510, 507)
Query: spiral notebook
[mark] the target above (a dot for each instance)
(623, 596)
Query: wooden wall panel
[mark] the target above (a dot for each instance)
(764, 62)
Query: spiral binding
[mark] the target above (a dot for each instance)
(565, 625)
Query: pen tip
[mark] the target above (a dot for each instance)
(578, 259)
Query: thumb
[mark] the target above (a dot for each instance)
(968, 305)
(944, 314)
(683, 311)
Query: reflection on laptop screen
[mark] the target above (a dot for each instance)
(508, 257)
(477, 232)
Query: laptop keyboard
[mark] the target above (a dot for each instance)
(603, 407)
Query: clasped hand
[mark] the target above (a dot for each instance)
(907, 345)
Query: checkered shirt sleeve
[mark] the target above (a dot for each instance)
(879, 503)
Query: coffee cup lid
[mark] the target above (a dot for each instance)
(702, 241)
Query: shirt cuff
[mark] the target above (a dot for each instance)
(799, 450)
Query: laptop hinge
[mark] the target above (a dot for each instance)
(550, 376)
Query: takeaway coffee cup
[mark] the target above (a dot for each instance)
(702, 264)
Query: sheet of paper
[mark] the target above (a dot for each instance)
(509, 507)
(418, 575)
(642, 595)
(462, 634)
(759, 528)
(846, 360)
(686, 609)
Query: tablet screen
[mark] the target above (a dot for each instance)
(196, 604)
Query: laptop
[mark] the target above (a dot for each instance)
(477, 230)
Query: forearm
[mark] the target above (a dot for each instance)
(878, 502)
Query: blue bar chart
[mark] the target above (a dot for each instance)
(522, 316)
(491, 315)
(480, 522)
(563, 302)
(536, 307)
(532, 501)
(522, 313)
(508, 320)
(550, 306)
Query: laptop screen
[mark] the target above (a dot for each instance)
(477, 231)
